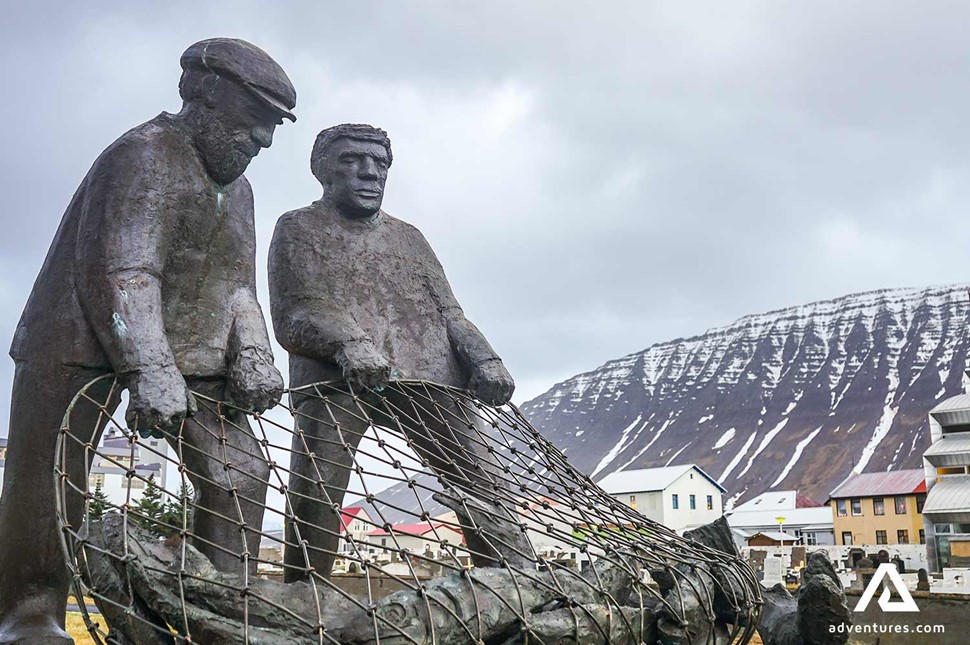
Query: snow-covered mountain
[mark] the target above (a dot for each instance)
(794, 398)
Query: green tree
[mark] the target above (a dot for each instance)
(99, 502)
(173, 510)
(148, 511)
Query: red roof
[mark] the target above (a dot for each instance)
(347, 515)
(895, 482)
(804, 501)
(416, 530)
(407, 529)
(351, 511)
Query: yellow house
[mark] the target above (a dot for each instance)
(880, 508)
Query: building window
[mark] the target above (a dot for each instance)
(710, 502)
(879, 507)
(840, 507)
(881, 537)
(693, 502)
(633, 502)
(920, 500)
(900, 506)
(857, 507)
(846, 538)
(675, 501)
(810, 539)
(902, 536)
(922, 536)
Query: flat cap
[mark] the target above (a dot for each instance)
(246, 64)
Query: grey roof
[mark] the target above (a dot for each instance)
(894, 482)
(953, 411)
(951, 450)
(950, 494)
(794, 517)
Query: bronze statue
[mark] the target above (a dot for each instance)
(358, 296)
(151, 275)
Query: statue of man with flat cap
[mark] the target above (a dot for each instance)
(151, 276)
(358, 296)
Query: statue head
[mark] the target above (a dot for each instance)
(351, 161)
(234, 95)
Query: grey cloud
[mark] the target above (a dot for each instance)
(595, 178)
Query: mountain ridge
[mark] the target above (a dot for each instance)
(863, 365)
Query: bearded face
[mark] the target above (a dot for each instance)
(225, 152)
(233, 127)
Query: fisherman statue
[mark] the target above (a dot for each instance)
(151, 276)
(358, 296)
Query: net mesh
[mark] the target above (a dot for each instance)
(413, 514)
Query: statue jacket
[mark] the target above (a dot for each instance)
(336, 280)
(153, 264)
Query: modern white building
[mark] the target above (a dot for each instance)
(807, 521)
(679, 497)
(946, 465)
(117, 455)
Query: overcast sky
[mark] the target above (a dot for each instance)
(594, 177)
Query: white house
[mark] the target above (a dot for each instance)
(355, 524)
(550, 527)
(946, 469)
(679, 497)
(117, 455)
(806, 520)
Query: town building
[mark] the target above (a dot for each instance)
(3, 457)
(146, 459)
(880, 508)
(679, 497)
(551, 531)
(355, 524)
(946, 468)
(805, 520)
(433, 540)
(773, 538)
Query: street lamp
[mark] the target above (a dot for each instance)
(781, 531)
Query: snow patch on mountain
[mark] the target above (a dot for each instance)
(796, 456)
(611, 455)
(725, 438)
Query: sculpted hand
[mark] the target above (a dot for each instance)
(363, 365)
(159, 401)
(254, 382)
(491, 383)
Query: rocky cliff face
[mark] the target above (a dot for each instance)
(794, 398)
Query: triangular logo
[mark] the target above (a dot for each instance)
(905, 602)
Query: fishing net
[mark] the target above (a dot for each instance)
(412, 514)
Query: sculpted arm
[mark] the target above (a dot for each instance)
(123, 236)
(311, 310)
(489, 380)
(254, 382)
